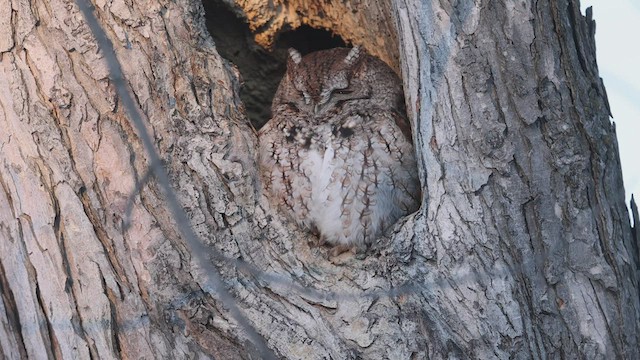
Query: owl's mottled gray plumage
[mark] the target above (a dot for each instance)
(336, 155)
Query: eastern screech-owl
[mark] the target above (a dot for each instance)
(337, 155)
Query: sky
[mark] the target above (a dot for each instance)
(618, 56)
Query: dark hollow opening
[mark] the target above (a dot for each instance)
(307, 39)
(261, 69)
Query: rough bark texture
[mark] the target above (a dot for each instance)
(522, 247)
(525, 211)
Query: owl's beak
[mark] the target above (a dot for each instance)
(319, 107)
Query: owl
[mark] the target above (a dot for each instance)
(337, 156)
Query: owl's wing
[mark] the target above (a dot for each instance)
(280, 157)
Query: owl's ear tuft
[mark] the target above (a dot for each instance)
(294, 56)
(353, 56)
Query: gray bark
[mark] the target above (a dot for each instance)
(525, 193)
(522, 247)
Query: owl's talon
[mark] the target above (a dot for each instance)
(339, 250)
(318, 241)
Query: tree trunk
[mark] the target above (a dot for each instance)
(522, 247)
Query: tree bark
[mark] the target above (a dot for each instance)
(522, 247)
(525, 199)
